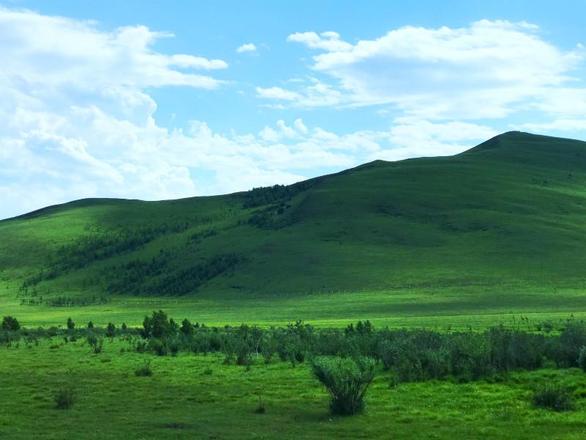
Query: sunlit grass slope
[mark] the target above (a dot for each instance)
(506, 216)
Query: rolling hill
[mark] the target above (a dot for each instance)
(507, 214)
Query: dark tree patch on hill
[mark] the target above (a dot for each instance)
(97, 247)
(272, 217)
(158, 277)
(268, 195)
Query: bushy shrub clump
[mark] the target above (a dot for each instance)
(10, 324)
(582, 359)
(96, 343)
(553, 397)
(346, 380)
(144, 371)
(64, 398)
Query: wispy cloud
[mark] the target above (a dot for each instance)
(247, 47)
(489, 69)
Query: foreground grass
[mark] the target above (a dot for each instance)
(192, 396)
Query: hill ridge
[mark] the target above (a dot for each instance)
(490, 216)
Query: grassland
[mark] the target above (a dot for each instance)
(192, 396)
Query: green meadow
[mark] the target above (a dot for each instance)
(196, 396)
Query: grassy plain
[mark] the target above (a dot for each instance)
(195, 396)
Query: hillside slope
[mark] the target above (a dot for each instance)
(511, 211)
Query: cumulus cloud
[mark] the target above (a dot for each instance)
(489, 69)
(77, 119)
(247, 47)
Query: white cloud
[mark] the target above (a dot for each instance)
(329, 41)
(557, 125)
(277, 93)
(65, 52)
(247, 47)
(316, 94)
(489, 69)
(77, 120)
(413, 137)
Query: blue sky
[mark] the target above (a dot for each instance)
(154, 99)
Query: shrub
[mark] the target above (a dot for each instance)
(64, 398)
(144, 371)
(186, 328)
(110, 330)
(346, 380)
(260, 408)
(553, 397)
(570, 341)
(582, 358)
(10, 323)
(157, 326)
(97, 344)
(158, 347)
(70, 324)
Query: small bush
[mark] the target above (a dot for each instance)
(64, 398)
(582, 359)
(158, 347)
(260, 408)
(97, 344)
(553, 397)
(144, 371)
(110, 330)
(346, 380)
(10, 323)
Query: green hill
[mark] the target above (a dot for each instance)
(505, 216)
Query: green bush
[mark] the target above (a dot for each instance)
(158, 347)
(97, 344)
(553, 397)
(582, 359)
(346, 380)
(110, 330)
(64, 398)
(10, 323)
(144, 371)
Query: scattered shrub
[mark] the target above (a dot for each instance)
(553, 397)
(157, 326)
(97, 344)
(582, 358)
(186, 328)
(110, 330)
(346, 380)
(145, 370)
(158, 347)
(10, 324)
(260, 408)
(64, 398)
